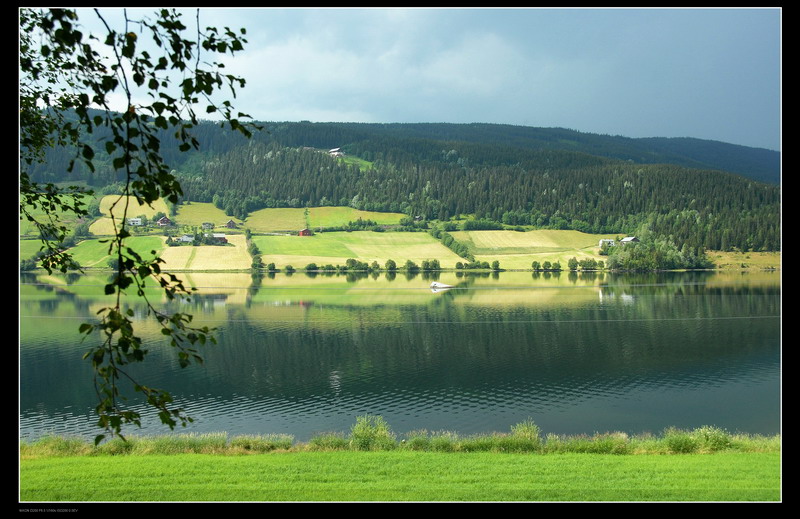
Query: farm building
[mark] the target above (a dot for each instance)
(186, 238)
(608, 242)
(629, 239)
(135, 221)
(336, 152)
(207, 225)
(231, 224)
(305, 232)
(164, 221)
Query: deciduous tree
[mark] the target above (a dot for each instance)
(68, 78)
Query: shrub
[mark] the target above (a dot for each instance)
(680, 442)
(712, 438)
(258, 443)
(371, 433)
(527, 429)
(417, 441)
(610, 443)
(328, 442)
(444, 441)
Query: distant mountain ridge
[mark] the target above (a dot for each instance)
(758, 164)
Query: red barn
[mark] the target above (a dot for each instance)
(305, 232)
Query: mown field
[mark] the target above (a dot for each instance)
(232, 256)
(337, 247)
(517, 250)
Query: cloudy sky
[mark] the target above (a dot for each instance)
(705, 73)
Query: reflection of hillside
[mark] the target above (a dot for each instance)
(453, 346)
(492, 343)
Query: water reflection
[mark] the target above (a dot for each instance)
(301, 355)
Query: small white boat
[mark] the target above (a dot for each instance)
(437, 285)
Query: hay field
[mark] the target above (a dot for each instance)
(233, 256)
(337, 247)
(517, 250)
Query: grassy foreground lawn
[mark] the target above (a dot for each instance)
(403, 476)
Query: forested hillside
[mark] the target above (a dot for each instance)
(518, 176)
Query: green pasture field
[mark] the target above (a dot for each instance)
(290, 219)
(277, 220)
(517, 250)
(402, 475)
(69, 219)
(93, 253)
(195, 214)
(745, 260)
(29, 248)
(341, 216)
(337, 247)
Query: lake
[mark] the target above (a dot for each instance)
(303, 355)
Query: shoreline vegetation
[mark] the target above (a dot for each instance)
(373, 433)
(371, 463)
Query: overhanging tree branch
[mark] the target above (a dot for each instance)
(67, 81)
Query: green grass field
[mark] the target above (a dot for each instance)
(196, 214)
(277, 220)
(402, 476)
(340, 216)
(336, 247)
(69, 219)
(92, 253)
(293, 219)
(517, 250)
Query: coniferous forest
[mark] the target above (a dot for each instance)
(697, 194)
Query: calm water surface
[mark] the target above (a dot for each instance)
(302, 355)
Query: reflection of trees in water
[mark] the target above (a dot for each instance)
(448, 345)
